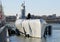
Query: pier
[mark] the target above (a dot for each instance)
(3, 34)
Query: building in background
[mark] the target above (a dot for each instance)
(10, 18)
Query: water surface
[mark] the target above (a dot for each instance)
(55, 37)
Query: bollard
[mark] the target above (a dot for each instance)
(45, 32)
(49, 30)
(9, 32)
(17, 32)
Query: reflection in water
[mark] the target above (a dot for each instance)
(35, 40)
(25, 39)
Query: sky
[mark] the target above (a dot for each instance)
(35, 7)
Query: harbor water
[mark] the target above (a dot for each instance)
(55, 37)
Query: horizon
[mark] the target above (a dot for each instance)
(35, 7)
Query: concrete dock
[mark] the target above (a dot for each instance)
(3, 34)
